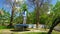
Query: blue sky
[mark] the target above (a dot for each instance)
(2, 5)
(54, 2)
(7, 8)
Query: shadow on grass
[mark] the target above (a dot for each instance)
(19, 30)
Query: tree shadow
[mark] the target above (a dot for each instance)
(19, 30)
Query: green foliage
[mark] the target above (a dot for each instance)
(56, 9)
(3, 27)
(43, 19)
(24, 7)
(5, 18)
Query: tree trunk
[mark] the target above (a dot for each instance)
(37, 18)
(53, 25)
(51, 29)
(12, 14)
(37, 13)
(11, 20)
(38, 6)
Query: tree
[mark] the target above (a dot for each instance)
(56, 21)
(38, 6)
(4, 17)
(13, 4)
(12, 13)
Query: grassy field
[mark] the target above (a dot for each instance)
(41, 33)
(10, 32)
(5, 30)
(38, 33)
(35, 33)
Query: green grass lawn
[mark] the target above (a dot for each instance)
(3, 27)
(40, 33)
(55, 32)
(35, 33)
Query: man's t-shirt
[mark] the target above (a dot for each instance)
(24, 13)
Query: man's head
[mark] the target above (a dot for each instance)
(25, 10)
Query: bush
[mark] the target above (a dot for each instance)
(9, 27)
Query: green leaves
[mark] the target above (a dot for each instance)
(56, 9)
(4, 18)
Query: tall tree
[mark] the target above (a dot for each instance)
(14, 4)
(38, 6)
(12, 13)
(56, 10)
